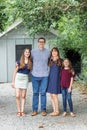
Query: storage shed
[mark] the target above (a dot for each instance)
(12, 42)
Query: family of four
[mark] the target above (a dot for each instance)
(50, 74)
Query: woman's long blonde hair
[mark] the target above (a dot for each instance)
(22, 60)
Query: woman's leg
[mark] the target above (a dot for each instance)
(23, 99)
(53, 104)
(56, 103)
(18, 92)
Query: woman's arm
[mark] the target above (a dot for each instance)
(14, 74)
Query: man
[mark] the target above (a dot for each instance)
(40, 74)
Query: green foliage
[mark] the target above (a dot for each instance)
(3, 16)
(41, 15)
(38, 16)
(67, 17)
(7, 11)
(83, 77)
(68, 28)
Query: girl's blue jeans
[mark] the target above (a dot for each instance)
(67, 97)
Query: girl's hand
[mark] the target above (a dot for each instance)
(12, 84)
(69, 90)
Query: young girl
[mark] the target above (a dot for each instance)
(54, 80)
(67, 74)
(20, 80)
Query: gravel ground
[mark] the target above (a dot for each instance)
(9, 120)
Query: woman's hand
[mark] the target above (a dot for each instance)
(13, 85)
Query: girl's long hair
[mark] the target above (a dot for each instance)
(58, 61)
(70, 65)
(22, 60)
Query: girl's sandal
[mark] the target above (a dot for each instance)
(22, 114)
(18, 113)
(64, 114)
(72, 114)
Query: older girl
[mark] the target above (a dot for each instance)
(54, 80)
(20, 80)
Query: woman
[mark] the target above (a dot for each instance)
(54, 87)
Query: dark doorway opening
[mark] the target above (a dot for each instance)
(75, 58)
(19, 50)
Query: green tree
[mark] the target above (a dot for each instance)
(3, 16)
(41, 15)
(7, 13)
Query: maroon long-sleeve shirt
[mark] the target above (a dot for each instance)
(65, 78)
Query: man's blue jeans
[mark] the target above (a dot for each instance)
(39, 86)
(67, 96)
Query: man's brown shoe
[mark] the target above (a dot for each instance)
(43, 113)
(34, 113)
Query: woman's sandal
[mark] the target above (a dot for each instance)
(54, 114)
(18, 113)
(22, 114)
(57, 113)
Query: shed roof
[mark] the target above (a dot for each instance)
(15, 24)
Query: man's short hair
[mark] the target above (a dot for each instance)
(42, 38)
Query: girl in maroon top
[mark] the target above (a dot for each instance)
(67, 74)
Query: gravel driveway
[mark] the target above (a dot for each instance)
(9, 120)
